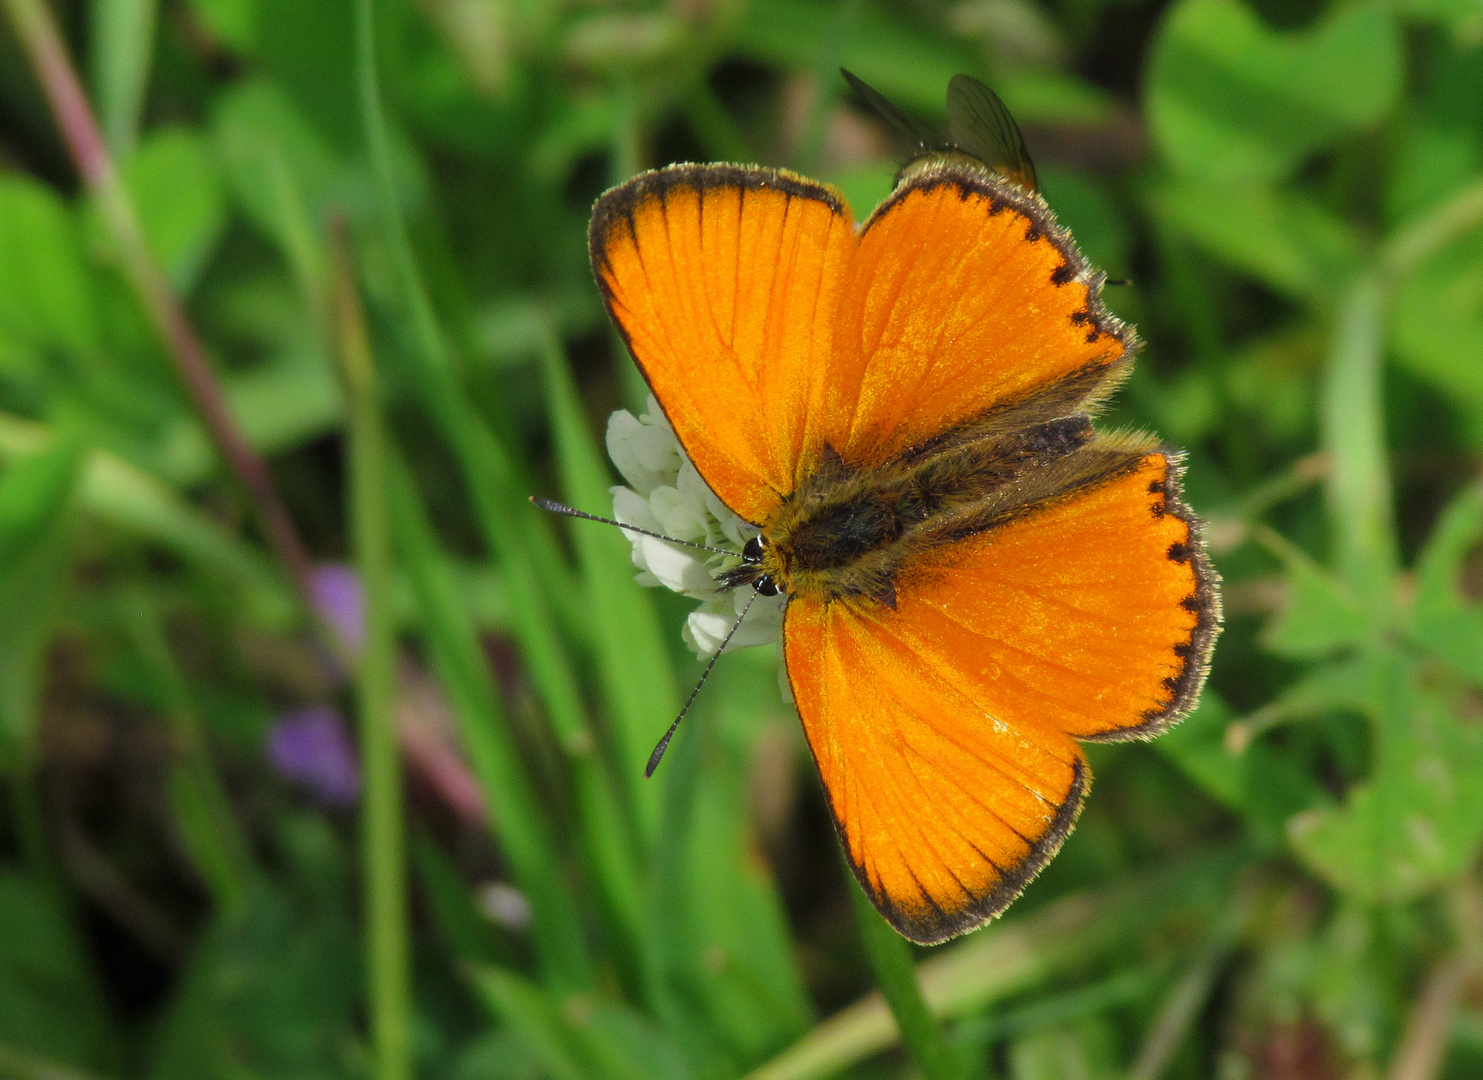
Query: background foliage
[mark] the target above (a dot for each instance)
(375, 220)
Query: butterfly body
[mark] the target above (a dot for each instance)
(976, 578)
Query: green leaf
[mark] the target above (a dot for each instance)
(1319, 615)
(35, 493)
(1197, 745)
(1443, 619)
(279, 167)
(1230, 99)
(716, 910)
(232, 21)
(1437, 326)
(274, 990)
(1277, 236)
(46, 297)
(49, 1003)
(177, 192)
(310, 51)
(1417, 822)
(520, 823)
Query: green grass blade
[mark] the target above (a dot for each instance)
(382, 838)
(506, 522)
(637, 676)
(1351, 405)
(896, 976)
(519, 822)
(1014, 956)
(203, 811)
(536, 1019)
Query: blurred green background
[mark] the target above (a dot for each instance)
(373, 217)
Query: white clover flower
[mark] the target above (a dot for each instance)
(667, 495)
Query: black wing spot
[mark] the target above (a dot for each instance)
(1179, 552)
(1062, 275)
(1156, 488)
(1093, 335)
(1033, 233)
(1082, 317)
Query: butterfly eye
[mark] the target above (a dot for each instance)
(752, 553)
(765, 586)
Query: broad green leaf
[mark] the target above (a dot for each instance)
(1230, 99)
(35, 494)
(272, 991)
(50, 1005)
(1086, 207)
(46, 297)
(1439, 146)
(310, 51)
(280, 405)
(1279, 237)
(1319, 615)
(1437, 326)
(176, 189)
(1417, 822)
(234, 22)
(274, 158)
(1197, 745)
(1444, 620)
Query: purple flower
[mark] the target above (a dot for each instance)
(337, 596)
(311, 747)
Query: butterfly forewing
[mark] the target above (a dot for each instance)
(981, 125)
(724, 281)
(964, 296)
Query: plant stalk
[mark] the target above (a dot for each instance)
(382, 837)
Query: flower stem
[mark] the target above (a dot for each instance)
(382, 837)
(896, 975)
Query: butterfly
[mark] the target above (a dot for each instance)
(976, 579)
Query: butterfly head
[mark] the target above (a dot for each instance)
(757, 569)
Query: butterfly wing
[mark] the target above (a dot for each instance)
(724, 281)
(945, 730)
(981, 124)
(964, 296)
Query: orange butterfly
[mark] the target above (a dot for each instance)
(975, 577)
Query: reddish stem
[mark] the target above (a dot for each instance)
(58, 77)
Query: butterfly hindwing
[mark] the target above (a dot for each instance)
(945, 729)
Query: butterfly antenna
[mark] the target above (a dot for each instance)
(670, 734)
(558, 508)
